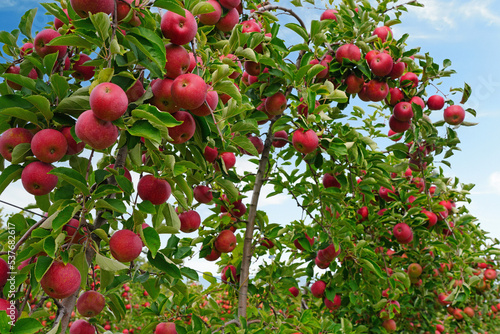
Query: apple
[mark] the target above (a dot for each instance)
(469, 311)
(228, 274)
(454, 115)
(152, 189)
(193, 62)
(81, 326)
(490, 274)
(389, 325)
(276, 104)
(348, 51)
(392, 135)
(418, 101)
(165, 328)
(90, 303)
(17, 70)
(183, 132)
(83, 7)
(294, 291)
(403, 233)
(431, 218)
(209, 105)
(162, 96)
(397, 70)
(383, 33)
(211, 154)
(225, 241)
(305, 141)
(4, 272)
(35, 179)
(228, 21)
(403, 111)
(409, 79)
(299, 246)
(61, 280)
(122, 10)
(330, 180)
(414, 270)
(189, 91)
(95, 132)
(268, 243)
(318, 289)
(190, 221)
(71, 228)
(9, 308)
(83, 72)
(26, 49)
(328, 14)
(321, 264)
(370, 55)
(135, 92)
(395, 96)
(214, 255)
(363, 94)
(381, 65)
(58, 23)
(335, 304)
(178, 60)
(125, 245)
(108, 101)
(230, 4)
(363, 212)
(384, 193)
(458, 314)
(397, 125)
(252, 68)
(203, 194)
(213, 17)
(377, 90)
(280, 139)
(435, 102)
(249, 26)
(179, 29)
(257, 143)
(229, 159)
(354, 84)
(49, 145)
(41, 41)
(11, 138)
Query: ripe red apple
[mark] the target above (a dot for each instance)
(392, 136)
(41, 41)
(190, 221)
(389, 325)
(363, 212)
(61, 281)
(225, 242)
(4, 272)
(333, 305)
(81, 326)
(83, 72)
(192, 62)
(252, 68)
(35, 179)
(189, 91)
(49, 145)
(318, 289)
(398, 126)
(469, 311)
(257, 143)
(370, 55)
(162, 96)
(268, 243)
(123, 8)
(90, 303)
(178, 29)
(203, 194)
(294, 291)
(26, 49)
(108, 101)
(458, 314)
(9, 308)
(383, 33)
(435, 102)
(330, 180)
(135, 92)
(382, 64)
(418, 100)
(431, 218)
(348, 51)
(178, 60)
(95, 132)
(229, 159)
(213, 17)
(228, 21)
(280, 139)
(125, 245)
(403, 111)
(329, 14)
(165, 328)
(214, 255)
(71, 228)
(397, 70)
(414, 270)
(384, 193)
(152, 189)
(354, 84)
(230, 4)
(490, 274)
(305, 141)
(395, 96)
(409, 79)
(249, 26)
(403, 233)
(11, 138)
(17, 70)
(454, 115)
(276, 104)
(228, 274)
(299, 246)
(377, 90)
(211, 154)
(83, 7)
(210, 103)
(183, 132)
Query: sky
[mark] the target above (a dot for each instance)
(466, 32)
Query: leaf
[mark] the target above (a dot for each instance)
(101, 24)
(72, 177)
(245, 144)
(149, 43)
(170, 5)
(80, 262)
(299, 30)
(161, 263)
(209, 277)
(146, 130)
(467, 93)
(27, 22)
(20, 113)
(26, 325)
(11, 173)
(111, 204)
(109, 264)
(227, 87)
(71, 40)
(42, 104)
(229, 188)
(20, 152)
(190, 273)
(152, 240)
(107, 278)
(59, 85)
(202, 7)
(73, 105)
(160, 120)
(42, 265)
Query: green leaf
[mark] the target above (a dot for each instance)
(80, 262)
(299, 30)
(147, 130)
(11, 173)
(109, 264)
(227, 87)
(152, 240)
(72, 177)
(229, 188)
(170, 5)
(149, 43)
(59, 85)
(8, 39)
(107, 278)
(111, 204)
(246, 144)
(27, 22)
(202, 7)
(42, 104)
(209, 277)
(171, 218)
(467, 93)
(43, 202)
(42, 265)
(26, 325)
(71, 40)
(160, 120)
(20, 152)
(102, 24)
(20, 113)
(190, 273)
(161, 263)
(73, 105)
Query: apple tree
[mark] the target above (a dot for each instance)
(339, 114)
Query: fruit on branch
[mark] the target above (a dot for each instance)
(230, 4)
(162, 96)
(178, 60)
(305, 141)
(73, 146)
(414, 270)
(35, 179)
(4, 272)
(454, 115)
(125, 245)
(299, 246)
(383, 33)
(348, 51)
(90, 303)
(58, 23)
(389, 325)
(318, 289)
(83, 72)
(276, 104)
(49, 145)
(10, 309)
(165, 328)
(210, 103)
(335, 304)
(81, 326)
(225, 241)
(469, 311)
(229, 159)
(61, 280)
(384, 193)
(381, 65)
(403, 111)
(189, 91)
(397, 125)
(126, 172)
(213, 255)
(179, 29)
(203, 194)
(228, 274)
(26, 49)
(71, 228)
(268, 243)
(392, 135)
(17, 70)
(152, 189)
(354, 84)
(363, 212)
(329, 14)
(228, 21)
(294, 291)
(403, 233)
(108, 101)
(409, 79)
(435, 102)
(213, 17)
(11, 138)
(280, 139)
(135, 92)
(95, 132)
(252, 68)
(123, 8)
(190, 221)
(43, 38)
(431, 218)
(211, 154)
(329, 180)
(249, 26)
(490, 274)
(183, 132)
(84, 7)
(418, 100)
(377, 90)
(397, 70)
(395, 96)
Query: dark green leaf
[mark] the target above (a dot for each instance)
(73, 177)
(26, 326)
(27, 22)
(11, 173)
(42, 265)
(152, 240)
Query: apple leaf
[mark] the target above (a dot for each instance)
(171, 218)
(109, 264)
(42, 265)
(147, 130)
(102, 24)
(11, 173)
(80, 262)
(73, 105)
(27, 22)
(160, 120)
(245, 144)
(202, 7)
(111, 204)
(229, 188)
(73, 177)
(20, 113)
(71, 40)
(227, 87)
(42, 104)
(152, 240)
(170, 5)
(116, 305)
(59, 85)
(20, 152)
(150, 44)
(161, 263)
(26, 326)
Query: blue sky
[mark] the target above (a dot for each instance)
(467, 33)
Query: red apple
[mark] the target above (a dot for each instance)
(189, 91)
(333, 305)
(35, 179)
(418, 100)
(190, 221)
(354, 84)
(61, 280)
(276, 104)
(383, 33)
(183, 132)
(348, 51)
(230, 4)
(409, 79)
(178, 60)
(162, 96)
(299, 246)
(11, 138)
(26, 49)
(17, 70)
(43, 38)
(490, 274)
(318, 289)
(83, 72)
(108, 101)
(152, 189)
(4, 272)
(384, 193)
(389, 325)
(95, 132)
(395, 96)
(377, 90)
(214, 255)
(403, 111)
(83, 7)
(398, 126)
(178, 29)
(213, 17)
(210, 154)
(330, 180)
(382, 64)
(454, 115)
(125, 245)
(371, 55)
(165, 328)
(435, 102)
(229, 159)
(203, 194)
(135, 92)
(81, 326)
(280, 139)
(403, 233)
(414, 270)
(90, 303)
(225, 241)
(10, 309)
(305, 141)
(228, 21)
(397, 70)
(329, 14)
(210, 104)
(294, 291)
(49, 145)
